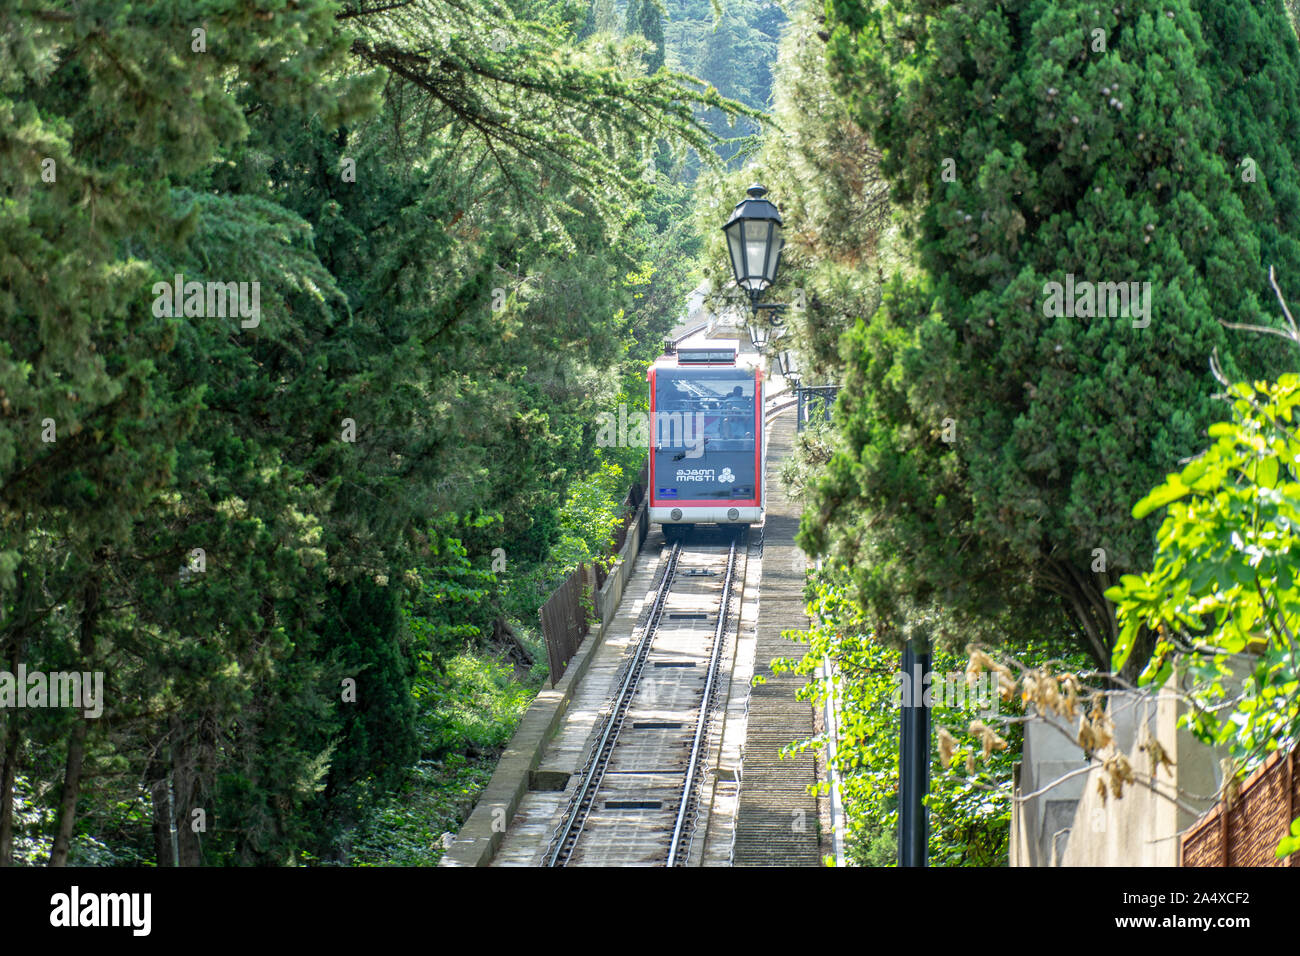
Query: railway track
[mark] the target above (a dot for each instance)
(636, 799)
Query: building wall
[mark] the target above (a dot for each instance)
(1071, 825)
(1049, 754)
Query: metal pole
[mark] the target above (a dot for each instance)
(914, 757)
(832, 745)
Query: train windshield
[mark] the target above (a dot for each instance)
(703, 433)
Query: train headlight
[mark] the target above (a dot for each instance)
(733, 514)
(677, 514)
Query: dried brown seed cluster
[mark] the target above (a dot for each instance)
(1096, 729)
(1117, 770)
(980, 662)
(947, 744)
(1231, 785)
(1158, 755)
(1053, 694)
(989, 739)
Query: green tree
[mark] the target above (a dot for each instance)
(1224, 592)
(90, 431)
(970, 787)
(458, 264)
(991, 440)
(821, 169)
(1252, 62)
(646, 17)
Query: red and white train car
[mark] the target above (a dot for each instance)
(706, 437)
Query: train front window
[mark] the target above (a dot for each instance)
(714, 407)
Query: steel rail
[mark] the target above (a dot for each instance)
(702, 722)
(566, 836)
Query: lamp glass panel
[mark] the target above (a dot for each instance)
(756, 240)
(778, 244)
(772, 235)
(735, 246)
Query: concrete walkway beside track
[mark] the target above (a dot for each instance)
(777, 822)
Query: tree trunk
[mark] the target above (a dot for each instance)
(162, 814)
(71, 790)
(184, 786)
(9, 770)
(1085, 592)
(503, 630)
(67, 817)
(13, 741)
(1063, 579)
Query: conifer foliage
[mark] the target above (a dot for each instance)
(307, 310)
(996, 434)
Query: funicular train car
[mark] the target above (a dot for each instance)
(706, 437)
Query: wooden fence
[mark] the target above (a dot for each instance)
(568, 612)
(565, 620)
(1247, 833)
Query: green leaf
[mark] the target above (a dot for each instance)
(1285, 573)
(1158, 678)
(1290, 843)
(1124, 645)
(1266, 472)
(1171, 490)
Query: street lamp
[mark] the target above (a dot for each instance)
(754, 243)
(758, 337)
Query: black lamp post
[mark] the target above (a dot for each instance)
(914, 758)
(754, 243)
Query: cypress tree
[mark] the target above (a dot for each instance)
(646, 17)
(1252, 62)
(995, 441)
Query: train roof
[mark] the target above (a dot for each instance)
(700, 351)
